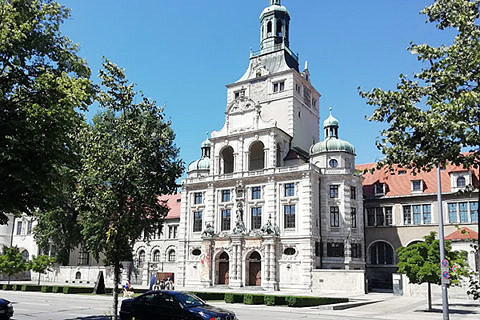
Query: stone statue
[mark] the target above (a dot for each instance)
(239, 225)
(208, 231)
(269, 228)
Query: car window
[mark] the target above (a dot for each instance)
(146, 298)
(189, 300)
(166, 301)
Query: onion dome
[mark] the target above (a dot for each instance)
(204, 162)
(331, 142)
(274, 6)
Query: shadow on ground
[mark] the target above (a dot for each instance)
(92, 318)
(450, 311)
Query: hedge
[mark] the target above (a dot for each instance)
(57, 289)
(233, 297)
(72, 290)
(253, 298)
(15, 287)
(293, 301)
(7, 286)
(270, 300)
(46, 289)
(210, 295)
(31, 287)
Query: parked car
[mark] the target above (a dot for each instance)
(171, 305)
(6, 309)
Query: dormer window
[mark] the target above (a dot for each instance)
(402, 172)
(239, 93)
(417, 186)
(379, 189)
(461, 182)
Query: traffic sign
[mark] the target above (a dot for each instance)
(445, 263)
(445, 274)
(454, 268)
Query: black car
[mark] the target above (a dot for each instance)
(171, 305)
(6, 309)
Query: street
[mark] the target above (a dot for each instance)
(49, 306)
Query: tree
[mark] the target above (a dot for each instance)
(43, 86)
(12, 262)
(433, 119)
(41, 264)
(419, 262)
(128, 160)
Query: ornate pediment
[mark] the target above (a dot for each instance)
(242, 105)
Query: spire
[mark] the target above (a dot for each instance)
(275, 21)
(331, 126)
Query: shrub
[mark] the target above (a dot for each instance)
(15, 286)
(233, 297)
(210, 295)
(311, 301)
(253, 299)
(275, 300)
(7, 286)
(46, 289)
(57, 289)
(72, 290)
(29, 287)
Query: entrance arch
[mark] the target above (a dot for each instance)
(254, 269)
(223, 268)
(256, 156)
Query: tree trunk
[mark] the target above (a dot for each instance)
(8, 279)
(429, 298)
(39, 275)
(116, 281)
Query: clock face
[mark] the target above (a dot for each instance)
(333, 163)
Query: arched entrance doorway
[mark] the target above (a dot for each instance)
(255, 269)
(223, 268)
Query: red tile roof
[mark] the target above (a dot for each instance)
(173, 202)
(400, 185)
(463, 234)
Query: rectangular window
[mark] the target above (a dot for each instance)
(334, 217)
(427, 214)
(407, 217)
(388, 216)
(226, 219)
(417, 214)
(380, 221)
(353, 193)
(197, 221)
(463, 210)
(225, 195)
(279, 86)
(289, 190)
(417, 185)
(83, 257)
(19, 228)
(197, 198)
(452, 212)
(335, 249)
(306, 96)
(29, 227)
(379, 188)
(353, 218)
(256, 218)
(172, 232)
(333, 191)
(239, 94)
(371, 217)
(474, 211)
(289, 215)
(256, 193)
(356, 250)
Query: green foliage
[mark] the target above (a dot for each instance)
(208, 295)
(57, 289)
(6, 286)
(46, 289)
(434, 117)
(11, 261)
(271, 300)
(43, 84)
(75, 290)
(128, 159)
(294, 301)
(29, 287)
(420, 262)
(41, 264)
(253, 298)
(16, 287)
(233, 297)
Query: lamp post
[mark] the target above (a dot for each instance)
(442, 248)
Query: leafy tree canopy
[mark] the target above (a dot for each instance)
(11, 261)
(43, 85)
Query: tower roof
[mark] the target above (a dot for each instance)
(330, 121)
(331, 142)
(275, 5)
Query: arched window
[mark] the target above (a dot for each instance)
(255, 256)
(381, 253)
(156, 256)
(224, 256)
(171, 255)
(257, 156)
(461, 182)
(227, 160)
(141, 257)
(279, 28)
(78, 275)
(25, 255)
(269, 27)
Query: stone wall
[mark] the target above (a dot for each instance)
(338, 281)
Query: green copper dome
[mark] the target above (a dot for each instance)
(202, 164)
(332, 144)
(330, 121)
(272, 8)
(206, 144)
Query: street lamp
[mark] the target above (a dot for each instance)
(443, 264)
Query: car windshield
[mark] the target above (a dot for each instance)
(189, 300)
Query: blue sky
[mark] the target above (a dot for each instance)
(182, 53)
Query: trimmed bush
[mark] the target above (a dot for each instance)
(253, 298)
(57, 289)
(46, 289)
(270, 300)
(233, 297)
(15, 287)
(210, 295)
(73, 290)
(30, 287)
(7, 286)
(312, 301)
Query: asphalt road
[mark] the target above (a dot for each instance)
(50, 306)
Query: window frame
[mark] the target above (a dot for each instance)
(334, 217)
(256, 218)
(289, 190)
(226, 219)
(334, 191)
(289, 216)
(197, 198)
(226, 195)
(197, 221)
